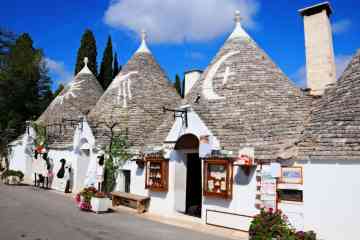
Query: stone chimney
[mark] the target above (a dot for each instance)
(320, 61)
(191, 77)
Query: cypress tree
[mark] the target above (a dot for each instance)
(59, 90)
(87, 49)
(117, 68)
(177, 84)
(106, 68)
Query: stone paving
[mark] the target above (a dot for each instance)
(30, 213)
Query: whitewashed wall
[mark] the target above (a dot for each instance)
(331, 198)
(243, 198)
(161, 202)
(55, 157)
(20, 159)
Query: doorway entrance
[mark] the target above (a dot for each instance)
(188, 176)
(193, 185)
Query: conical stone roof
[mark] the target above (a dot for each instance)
(246, 100)
(134, 101)
(75, 101)
(333, 132)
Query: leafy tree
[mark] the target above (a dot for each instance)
(106, 68)
(58, 90)
(45, 95)
(24, 88)
(177, 84)
(6, 41)
(87, 49)
(117, 67)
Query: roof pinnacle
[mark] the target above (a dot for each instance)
(238, 32)
(86, 60)
(85, 69)
(143, 46)
(237, 17)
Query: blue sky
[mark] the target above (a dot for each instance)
(182, 35)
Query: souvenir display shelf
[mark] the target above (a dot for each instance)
(218, 178)
(157, 171)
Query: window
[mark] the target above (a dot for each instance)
(218, 178)
(292, 195)
(157, 170)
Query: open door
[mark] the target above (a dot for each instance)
(193, 185)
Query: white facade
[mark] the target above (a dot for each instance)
(331, 198)
(330, 188)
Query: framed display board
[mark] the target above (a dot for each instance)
(156, 173)
(291, 175)
(218, 178)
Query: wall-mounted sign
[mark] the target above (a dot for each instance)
(268, 188)
(245, 156)
(291, 175)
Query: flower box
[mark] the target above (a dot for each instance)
(100, 204)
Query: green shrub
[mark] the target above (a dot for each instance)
(88, 193)
(270, 225)
(9, 173)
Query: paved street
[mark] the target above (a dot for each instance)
(30, 213)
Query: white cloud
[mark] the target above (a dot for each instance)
(58, 69)
(175, 21)
(341, 62)
(341, 26)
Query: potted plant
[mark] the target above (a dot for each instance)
(12, 177)
(83, 199)
(100, 202)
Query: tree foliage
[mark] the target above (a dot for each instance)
(59, 90)
(6, 41)
(87, 49)
(106, 68)
(117, 67)
(24, 88)
(177, 84)
(118, 153)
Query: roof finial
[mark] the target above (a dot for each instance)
(86, 60)
(238, 32)
(143, 35)
(237, 17)
(85, 69)
(143, 47)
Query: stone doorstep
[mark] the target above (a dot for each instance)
(184, 221)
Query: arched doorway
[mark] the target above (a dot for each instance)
(188, 144)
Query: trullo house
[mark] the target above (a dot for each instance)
(71, 106)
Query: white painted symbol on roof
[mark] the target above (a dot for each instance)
(123, 84)
(67, 92)
(208, 88)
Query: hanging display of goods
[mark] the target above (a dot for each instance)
(245, 157)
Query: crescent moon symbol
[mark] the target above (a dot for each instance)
(207, 88)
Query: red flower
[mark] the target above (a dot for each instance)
(77, 198)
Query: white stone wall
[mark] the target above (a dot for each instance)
(20, 160)
(55, 157)
(331, 198)
(243, 199)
